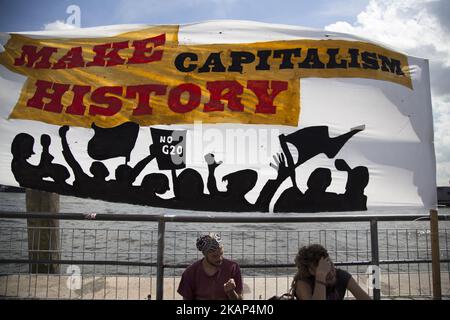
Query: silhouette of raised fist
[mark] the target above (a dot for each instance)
(211, 161)
(63, 130)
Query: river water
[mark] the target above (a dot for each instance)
(250, 243)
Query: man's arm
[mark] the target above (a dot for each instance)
(233, 287)
(230, 290)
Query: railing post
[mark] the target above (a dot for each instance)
(160, 260)
(43, 234)
(376, 281)
(435, 255)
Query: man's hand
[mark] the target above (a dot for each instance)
(229, 286)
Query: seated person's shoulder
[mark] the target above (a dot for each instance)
(343, 277)
(343, 274)
(230, 263)
(193, 267)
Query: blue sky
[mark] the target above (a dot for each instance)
(25, 15)
(419, 27)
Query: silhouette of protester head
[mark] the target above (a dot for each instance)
(358, 177)
(99, 170)
(319, 180)
(124, 173)
(22, 146)
(190, 185)
(45, 140)
(241, 182)
(155, 183)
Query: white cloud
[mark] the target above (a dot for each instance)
(58, 25)
(408, 25)
(419, 28)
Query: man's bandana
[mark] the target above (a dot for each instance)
(208, 242)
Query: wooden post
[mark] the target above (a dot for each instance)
(435, 255)
(43, 235)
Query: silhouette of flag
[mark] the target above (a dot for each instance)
(312, 141)
(113, 142)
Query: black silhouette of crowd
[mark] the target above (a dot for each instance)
(188, 185)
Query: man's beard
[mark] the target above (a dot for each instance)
(213, 263)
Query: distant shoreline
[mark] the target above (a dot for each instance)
(11, 189)
(443, 193)
(443, 196)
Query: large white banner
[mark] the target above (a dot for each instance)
(217, 116)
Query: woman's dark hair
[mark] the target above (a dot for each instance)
(307, 256)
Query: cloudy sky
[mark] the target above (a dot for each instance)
(418, 27)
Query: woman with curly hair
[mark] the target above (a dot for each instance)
(318, 279)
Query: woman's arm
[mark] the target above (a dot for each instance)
(357, 291)
(304, 291)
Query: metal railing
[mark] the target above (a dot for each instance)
(146, 259)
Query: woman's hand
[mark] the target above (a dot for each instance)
(323, 268)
